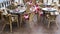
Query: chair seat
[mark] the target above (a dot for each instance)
(54, 13)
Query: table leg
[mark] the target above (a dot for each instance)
(20, 19)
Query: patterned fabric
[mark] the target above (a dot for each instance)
(41, 13)
(17, 10)
(37, 8)
(26, 17)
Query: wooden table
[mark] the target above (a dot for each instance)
(19, 13)
(49, 13)
(48, 10)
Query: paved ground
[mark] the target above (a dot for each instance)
(34, 28)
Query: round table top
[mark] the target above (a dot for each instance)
(49, 9)
(18, 11)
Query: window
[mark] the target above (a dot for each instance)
(2, 5)
(10, 2)
(7, 2)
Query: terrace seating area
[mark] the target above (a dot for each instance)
(30, 17)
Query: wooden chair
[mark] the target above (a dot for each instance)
(51, 18)
(15, 17)
(54, 5)
(9, 20)
(22, 15)
(40, 15)
(25, 17)
(28, 12)
(1, 14)
(1, 18)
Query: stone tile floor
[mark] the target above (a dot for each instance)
(34, 28)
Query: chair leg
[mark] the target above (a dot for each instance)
(56, 24)
(3, 27)
(10, 27)
(20, 19)
(17, 24)
(48, 24)
(31, 17)
(38, 18)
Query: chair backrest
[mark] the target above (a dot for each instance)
(54, 13)
(28, 8)
(8, 18)
(5, 12)
(1, 14)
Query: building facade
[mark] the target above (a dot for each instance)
(43, 1)
(4, 3)
(19, 1)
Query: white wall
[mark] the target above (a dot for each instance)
(15, 0)
(49, 1)
(45, 1)
(19, 1)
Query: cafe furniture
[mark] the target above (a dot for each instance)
(9, 19)
(52, 18)
(18, 12)
(50, 14)
(1, 14)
